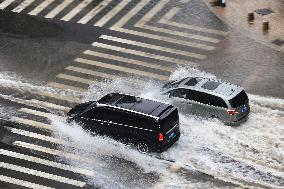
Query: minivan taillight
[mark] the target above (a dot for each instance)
(232, 112)
(161, 137)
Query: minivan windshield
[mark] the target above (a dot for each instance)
(170, 121)
(239, 100)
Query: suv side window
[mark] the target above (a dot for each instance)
(207, 99)
(217, 101)
(179, 93)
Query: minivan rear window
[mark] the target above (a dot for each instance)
(170, 121)
(239, 100)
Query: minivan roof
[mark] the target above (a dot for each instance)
(222, 89)
(137, 104)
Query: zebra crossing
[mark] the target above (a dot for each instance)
(137, 45)
(140, 45)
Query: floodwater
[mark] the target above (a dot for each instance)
(250, 155)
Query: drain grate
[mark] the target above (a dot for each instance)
(264, 11)
(278, 42)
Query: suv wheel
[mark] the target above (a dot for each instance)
(143, 147)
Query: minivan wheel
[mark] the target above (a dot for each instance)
(143, 147)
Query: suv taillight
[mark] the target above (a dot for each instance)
(232, 112)
(161, 137)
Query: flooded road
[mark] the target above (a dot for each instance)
(250, 155)
(84, 51)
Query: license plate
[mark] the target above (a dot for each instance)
(172, 135)
(244, 109)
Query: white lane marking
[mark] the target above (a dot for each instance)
(41, 7)
(49, 105)
(64, 86)
(31, 123)
(23, 5)
(145, 54)
(58, 9)
(128, 60)
(47, 162)
(130, 14)
(91, 72)
(166, 39)
(36, 136)
(76, 79)
(42, 174)
(39, 113)
(155, 47)
(60, 97)
(55, 152)
(22, 183)
(5, 4)
(122, 69)
(112, 13)
(76, 10)
(167, 20)
(94, 12)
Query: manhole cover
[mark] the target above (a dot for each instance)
(264, 11)
(278, 42)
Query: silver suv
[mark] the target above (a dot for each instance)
(209, 98)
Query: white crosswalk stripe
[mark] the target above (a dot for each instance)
(41, 7)
(37, 113)
(22, 6)
(145, 54)
(22, 183)
(66, 87)
(41, 174)
(5, 4)
(122, 69)
(76, 10)
(91, 72)
(47, 162)
(58, 9)
(94, 12)
(32, 123)
(67, 97)
(39, 103)
(155, 47)
(76, 79)
(55, 152)
(128, 60)
(36, 136)
(112, 13)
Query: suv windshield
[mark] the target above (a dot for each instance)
(239, 100)
(173, 84)
(170, 121)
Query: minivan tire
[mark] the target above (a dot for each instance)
(143, 147)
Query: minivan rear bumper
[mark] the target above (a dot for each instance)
(162, 147)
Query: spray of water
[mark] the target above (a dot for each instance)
(251, 153)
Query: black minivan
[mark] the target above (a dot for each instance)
(148, 124)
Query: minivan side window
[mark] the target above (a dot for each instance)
(115, 116)
(95, 113)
